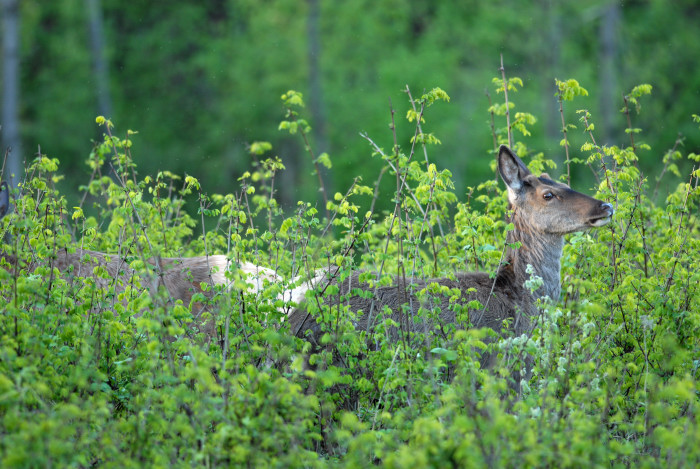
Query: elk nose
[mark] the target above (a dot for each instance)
(607, 206)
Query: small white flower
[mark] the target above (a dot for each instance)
(561, 362)
(534, 282)
(647, 322)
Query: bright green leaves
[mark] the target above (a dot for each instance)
(670, 160)
(425, 139)
(432, 186)
(101, 120)
(258, 148)
(191, 183)
(585, 117)
(436, 94)
(343, 207)
(286, 224)
(324, 160)
(512, 84)
(77, 213)
(45, 164)
(615, 358)
(499, 109)
(418, 107)
(519, 121)
(293, 126)
(636, 93)
(413, 115)
(522, 121)
(569, 89)
(293, 99)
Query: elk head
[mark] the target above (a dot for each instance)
(548, 206)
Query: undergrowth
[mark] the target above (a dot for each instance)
(123, 376)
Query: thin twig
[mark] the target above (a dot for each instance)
(492, 122)
(679, 140)
(310, 151)
(381, 393)
(566, 140)
(505, 91)
(669, 281)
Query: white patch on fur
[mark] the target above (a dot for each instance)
(511, 195)
(217, 267)
(601, 222)
(256, 275)
(604, 221)
(297, 294)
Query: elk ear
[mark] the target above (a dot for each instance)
(4, 199)
(512, 169)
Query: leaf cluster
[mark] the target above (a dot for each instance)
(100, 371)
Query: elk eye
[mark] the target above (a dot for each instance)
(548, 195)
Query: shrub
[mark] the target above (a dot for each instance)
(122, 376)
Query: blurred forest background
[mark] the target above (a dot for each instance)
(200, 81)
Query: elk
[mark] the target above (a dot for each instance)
(543, 211)
(182, 277)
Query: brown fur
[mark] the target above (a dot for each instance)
(181, 277)
(544, 211)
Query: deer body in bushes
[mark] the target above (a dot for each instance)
(543, 212)
(182, 277)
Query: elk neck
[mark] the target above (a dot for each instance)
(540, 250)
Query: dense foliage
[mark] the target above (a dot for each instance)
(200, 80)
(122, 377)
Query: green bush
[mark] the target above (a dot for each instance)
(122, 376)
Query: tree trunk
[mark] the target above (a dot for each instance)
(10, 92)
(552, 54)
(99, 63)
(318, 118)
(609, 45)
